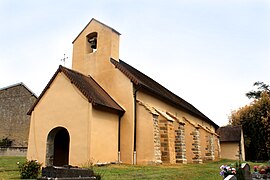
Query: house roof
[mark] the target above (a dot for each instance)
(93, 19)
(89, 88)
(230, 133)
(142, 80)
(19, 84)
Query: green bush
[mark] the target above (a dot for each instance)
(5, 142)
(29, 169)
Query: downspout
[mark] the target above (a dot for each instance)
(119, 131)
(135, 125)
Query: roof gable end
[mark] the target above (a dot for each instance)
(88, 87)
(93, 19)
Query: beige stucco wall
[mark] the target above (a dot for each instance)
(243, 146)
(145, 136)
(98, 65)
(230, 150)
(203, 138)
(171, 141)
(104, 137)
(189, 140)
(64, 106)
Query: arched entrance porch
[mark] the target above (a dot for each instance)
(57, 150)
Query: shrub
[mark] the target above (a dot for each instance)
(29, 169)
(5, 142)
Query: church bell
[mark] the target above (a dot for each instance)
(93, 42)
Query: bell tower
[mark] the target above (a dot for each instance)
(93, 48)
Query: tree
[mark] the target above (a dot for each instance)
(255, 121)
(262, 87)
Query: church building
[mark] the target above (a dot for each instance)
(104, 110)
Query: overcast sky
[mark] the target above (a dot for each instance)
(209, 52)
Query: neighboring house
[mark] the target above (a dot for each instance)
(15, 102)
(104, 110)
(232, 142)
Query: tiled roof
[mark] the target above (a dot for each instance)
(89, 88)
(230, 133)
(142, 80)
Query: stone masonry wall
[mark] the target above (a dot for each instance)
(217, 147)
(13, 151)
(15, 102)
(157, 148)
(180, 145)
(163, 127)
(196, 147)
(210, 149)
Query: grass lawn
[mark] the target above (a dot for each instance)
(205, 171)
(9, 168)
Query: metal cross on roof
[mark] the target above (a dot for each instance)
(64, 59)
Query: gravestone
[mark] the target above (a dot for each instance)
(230, 177)
(246, 169)
(66, 172)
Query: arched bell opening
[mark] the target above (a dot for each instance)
(91, 43)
